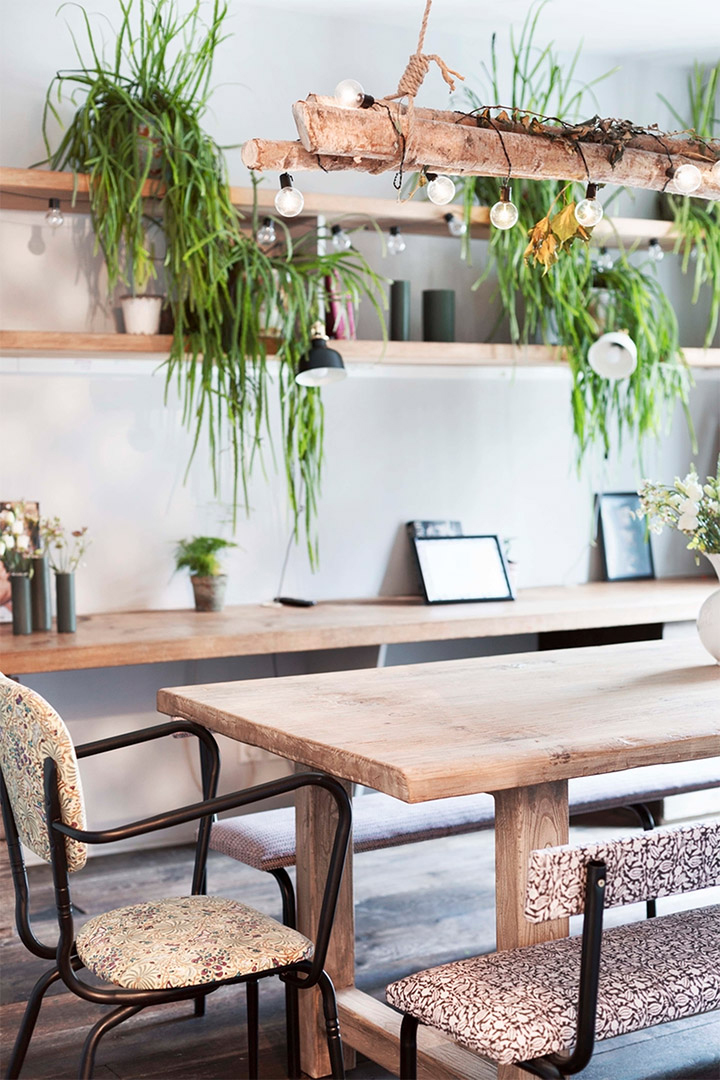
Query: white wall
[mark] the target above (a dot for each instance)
(94, 442)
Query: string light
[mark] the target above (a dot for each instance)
(54, 216)
(396, 241)
(686, 179)
(456, 226)
(350, 95)
(266, 233)
(589, 211)
(288, 201)
(655, 251)
(440, 189)
(340, 239)
(504, 213)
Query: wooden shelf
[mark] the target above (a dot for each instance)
(51, 344)
(27, 189)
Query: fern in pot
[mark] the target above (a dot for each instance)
(199, 555)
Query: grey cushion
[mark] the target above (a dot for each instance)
(267, 840)
(522, 1003)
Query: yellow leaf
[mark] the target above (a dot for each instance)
(564, 224)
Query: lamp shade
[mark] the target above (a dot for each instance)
(613, 356)
(320, 365)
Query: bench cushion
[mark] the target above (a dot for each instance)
(266, 840)
(520, 1004)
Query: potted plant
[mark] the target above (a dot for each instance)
(138, 122)
(200, 556)
(65, 549)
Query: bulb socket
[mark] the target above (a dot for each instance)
(505, 193)
(336, 230)
(591, 191)
(394, 230)
(53, 204)
(286, 180)
(267, 221)
(367, 102)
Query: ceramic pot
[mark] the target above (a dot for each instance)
(400, 311)
(209, 592)
(708, 622)
(65, 596)
(40, 593)
(141, 314)
(21, 608)
(438, 315)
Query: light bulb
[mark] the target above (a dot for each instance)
(54, 216)
(350, 95)
(613, 356)
(589, 211)
(504, 213)
(441, 189)
(396, 242)
(266, 233)
(604, 260)
(655, 251)
(288, 201)
(456, 226)
(340, 239)
(686, 179)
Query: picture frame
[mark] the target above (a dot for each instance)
(625, 541)
(462, 569)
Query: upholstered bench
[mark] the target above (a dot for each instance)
(266, 840)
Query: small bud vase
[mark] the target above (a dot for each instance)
(708, 622)
(40, 593)
(65, 595)
(21, 606)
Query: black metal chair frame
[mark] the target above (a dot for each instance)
(550, 1066)
(302, 975)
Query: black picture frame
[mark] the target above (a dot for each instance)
(625, 542)
(495, 553)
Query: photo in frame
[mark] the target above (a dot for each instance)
(462, 569)
(29, 511)
(625, 542)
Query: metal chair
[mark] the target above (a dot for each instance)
(179, 948)
(541, 1008)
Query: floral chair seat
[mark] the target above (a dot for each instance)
(520, 1004)
(186, 941)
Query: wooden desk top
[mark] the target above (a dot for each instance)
(148, 637)
(428, 731)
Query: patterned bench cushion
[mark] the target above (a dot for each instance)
(520, 1004)
(266, 840)
(186, 941)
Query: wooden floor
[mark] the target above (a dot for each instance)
(416, 906)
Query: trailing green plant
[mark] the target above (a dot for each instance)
(138, 121)
(200, 555)
(558, 302)
(697, 221)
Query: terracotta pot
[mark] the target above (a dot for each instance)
(209, 592)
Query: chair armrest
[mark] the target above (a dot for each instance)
(232, 801)
(159, 731)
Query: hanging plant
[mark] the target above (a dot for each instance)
(560, 304)
(138, 121)
(697, 221)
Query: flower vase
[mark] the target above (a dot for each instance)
(21, 606)
(40, 594)
(708, 622)
(65, 595)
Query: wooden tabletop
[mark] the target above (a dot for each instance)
(148, 637)
(428, 731)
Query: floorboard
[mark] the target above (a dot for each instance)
(416, 906)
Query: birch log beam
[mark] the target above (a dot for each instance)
(363, 135)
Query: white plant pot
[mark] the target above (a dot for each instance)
(141, 314)
(708, 623)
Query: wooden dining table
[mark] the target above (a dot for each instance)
(517, 726)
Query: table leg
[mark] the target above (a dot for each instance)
(315, 821)
(525, 819)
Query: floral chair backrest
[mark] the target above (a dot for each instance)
(32, 731)
(662, 862)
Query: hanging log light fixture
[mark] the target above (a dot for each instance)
(387, 134)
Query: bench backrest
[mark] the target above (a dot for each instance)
(31, 731)
(662, 862)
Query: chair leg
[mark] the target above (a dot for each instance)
(199, 1006)
(25, 1032)
(332, 1026)
(408, 1047)
(292, 1022)
(252, 1027)
(644, 815)
(108, 1022)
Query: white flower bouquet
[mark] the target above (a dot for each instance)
(65, 549)
(688, 506)
(15, 540)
